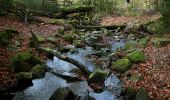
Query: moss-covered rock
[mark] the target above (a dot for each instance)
(23, 75)
(22, 67)
(130, 93)
(158, 42)
(22, 56)
(35, 60)
(24, 61)
(143, 42)
(98, 76)
(136, 56)
(142, 95)
(121, 65)
(130, 45)
(38, 71)
(68, 37)
(78, 44)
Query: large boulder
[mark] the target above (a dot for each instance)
(121, 65)
(143, 42)
(20, 62)
(98, 76)
(130, 93)
(136, 56)
(130, 45)
(78, 43)
(38, 71)
(24, 61)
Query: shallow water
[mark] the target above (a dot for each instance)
(43, 89)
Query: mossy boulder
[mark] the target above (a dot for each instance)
(143, 42)
(24, 61)
(98, 76)
(130, 45)
(78, 44)
(22, 56)
(38, 71)
(121, 65)
(159, 42)
(130, 93)
(136, 56)
(22, 67)
(68, 37)
(23, 75)
(35, 60)
(142, 95)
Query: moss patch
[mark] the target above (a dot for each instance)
(136, 56)
(121, 65)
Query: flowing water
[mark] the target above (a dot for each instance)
(44, 88)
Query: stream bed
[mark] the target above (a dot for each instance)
(44, 88)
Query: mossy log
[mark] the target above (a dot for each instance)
(111, 27)
(65, 58)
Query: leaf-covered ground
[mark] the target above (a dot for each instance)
(155, 73)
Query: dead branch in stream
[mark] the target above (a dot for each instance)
(65, 58)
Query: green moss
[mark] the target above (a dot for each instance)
(136, 56)
(121, 65)
(68, 37)
(24, 75)
(143, 42)
(20, 61)
(131, 45)
(40, 38)
(24, 56)
(22, 67)
(35, 60)
(98, 76)
(78, 43)
(130, 93)
(38, 71)
(61, 31)
(141, 95)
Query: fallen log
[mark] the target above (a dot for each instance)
(77, 9)
(65, 58)
(112, 27)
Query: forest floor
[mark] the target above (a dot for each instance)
(155, 70)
